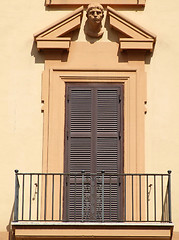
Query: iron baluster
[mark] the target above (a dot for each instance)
(16, 204)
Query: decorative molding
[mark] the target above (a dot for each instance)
(95, 78)
(139, 3)
(136, 44)
(56, 43)
(137, 38)
(52, 37)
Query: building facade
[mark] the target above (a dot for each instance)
(89, 120)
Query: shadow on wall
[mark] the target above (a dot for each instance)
(149, 55)
(41, 56)
(56, 8)
(9, 226)
(62, 55)
(53, 54)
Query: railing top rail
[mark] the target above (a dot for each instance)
(97, 174)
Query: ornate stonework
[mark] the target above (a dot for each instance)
(134, 37)
(95, 14)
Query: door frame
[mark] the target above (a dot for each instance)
(54, 113)
(53, 95)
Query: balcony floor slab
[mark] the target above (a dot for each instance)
(75, 230)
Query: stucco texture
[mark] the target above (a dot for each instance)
(21, 67)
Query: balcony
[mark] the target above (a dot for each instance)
(102, 201)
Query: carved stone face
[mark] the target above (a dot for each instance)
(95, 15)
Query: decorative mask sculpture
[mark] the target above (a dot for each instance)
(95, 14)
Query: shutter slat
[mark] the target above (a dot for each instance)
(80, 105)
(80, 154)
(107, 154)
(107, 110)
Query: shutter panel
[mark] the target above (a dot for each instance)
(80, 154)
(79, 146)
(108, 116)
(107, 154)
(107, 130)
(80, 130)
(80, 104)
(107, 103)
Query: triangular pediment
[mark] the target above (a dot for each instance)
(133, 35)
(53, 36)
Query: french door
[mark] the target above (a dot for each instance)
(94, 151)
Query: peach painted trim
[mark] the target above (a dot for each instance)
(100, 230)
(92, 233)
(136, 44)
(58, 43)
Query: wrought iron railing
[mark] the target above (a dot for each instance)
(89, 197)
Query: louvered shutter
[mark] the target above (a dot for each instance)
(108, 122)
(108, 149)
(80, 117)
(93, 131)
(79, 146)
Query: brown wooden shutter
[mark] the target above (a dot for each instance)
(93, 143)
(78, 152)
(79, 130)
(108, 122)
(108, 147)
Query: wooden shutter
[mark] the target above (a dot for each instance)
(79, 130)
(108, 149)
(108, 122)
(93, 143)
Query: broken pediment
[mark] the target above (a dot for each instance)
(131, 35)
(53, 36)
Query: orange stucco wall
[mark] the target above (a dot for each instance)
(20, 98)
